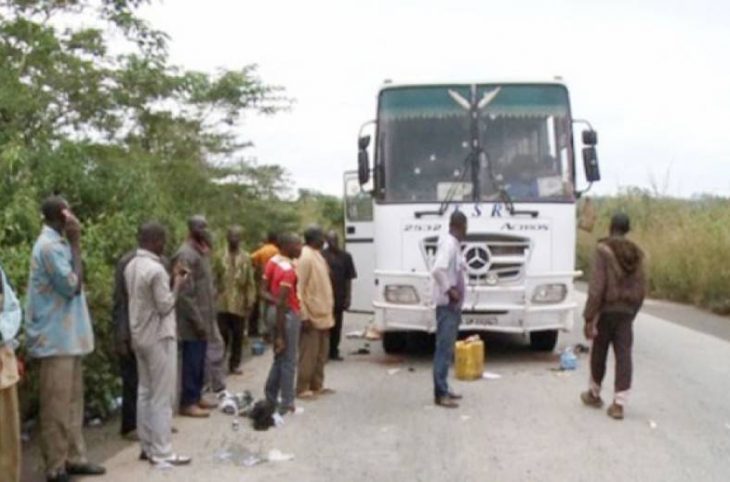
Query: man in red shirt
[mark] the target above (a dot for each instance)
(280, 288)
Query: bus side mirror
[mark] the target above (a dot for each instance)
(363, 142)
(590, 163)
(590, 137)
(363, 167)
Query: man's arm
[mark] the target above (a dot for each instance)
(304, 274)
(164, 297)
(280, 341)
(440, 269)
(120, 309)
(249, 284)
(62, 270)
(187, 304)
(350, 274)
(596, 287)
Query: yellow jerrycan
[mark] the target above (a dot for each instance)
(469, 358)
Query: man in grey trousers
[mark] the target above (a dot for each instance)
(282, 292)
(154, 340)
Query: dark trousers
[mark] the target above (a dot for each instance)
(336, 333)
(613, 329)
(130, 380)
(231, 327)
(253, 318)
(193, 369)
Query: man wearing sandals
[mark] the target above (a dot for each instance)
(317, 302)
(154, 340)
(615, 295)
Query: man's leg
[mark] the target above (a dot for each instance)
(162, 361)
(56, 380)
(143, 400)
(308, 346)
(323, 351)
(599, 352)
(336, 334)
(215, 372)
(224, 327)
(76, 444)
(447, 330)
(193, 358)
(289, 360)
(128, 369)
(10, 434)
(236, 348)
(623, 341)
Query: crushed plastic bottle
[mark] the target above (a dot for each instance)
(568, 360)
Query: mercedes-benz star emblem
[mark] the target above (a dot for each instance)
(477, 259)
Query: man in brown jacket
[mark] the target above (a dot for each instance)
(615, 295)
(317, 302)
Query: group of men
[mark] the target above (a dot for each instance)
(165, 311)
(193, 309)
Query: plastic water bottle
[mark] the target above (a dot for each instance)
(236, 424)
(568, 360)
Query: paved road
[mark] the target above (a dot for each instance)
(528, 425)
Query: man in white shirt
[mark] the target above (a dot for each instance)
(449, 287)
(154, 340)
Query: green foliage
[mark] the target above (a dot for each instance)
(125, 137)
(687, 244)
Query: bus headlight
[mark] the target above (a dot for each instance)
(549, 293)
(401, 295)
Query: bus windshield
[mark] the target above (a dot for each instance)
(426, 136)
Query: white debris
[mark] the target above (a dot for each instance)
(393, 371)
(491, 376)
(298, 410)
(276, 455)
(652, 424)
(465, 418)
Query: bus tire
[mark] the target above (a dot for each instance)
(394, 342)
(543, 340)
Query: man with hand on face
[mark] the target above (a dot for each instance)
(237, 294)
(449, 287)
(342, 272)
(281, 291)
(315, 295)
(59, 334)
(153, 334)
(196, 317)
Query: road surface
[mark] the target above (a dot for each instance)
(381, 425)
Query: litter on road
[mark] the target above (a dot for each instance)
(276, 455)
(652, 424)
(393, 371)
(491, 376)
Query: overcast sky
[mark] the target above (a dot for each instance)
(652, 76)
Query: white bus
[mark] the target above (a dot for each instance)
(503, 154)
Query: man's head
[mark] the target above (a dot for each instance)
(620, 224)
(198, 229)
(333, 240)
(152, 236)
(314, 237)
(234, 235)
(272, 238)
(290, 245)
(458, 225)
(53, 210)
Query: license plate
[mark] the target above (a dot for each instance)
(481, 321)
